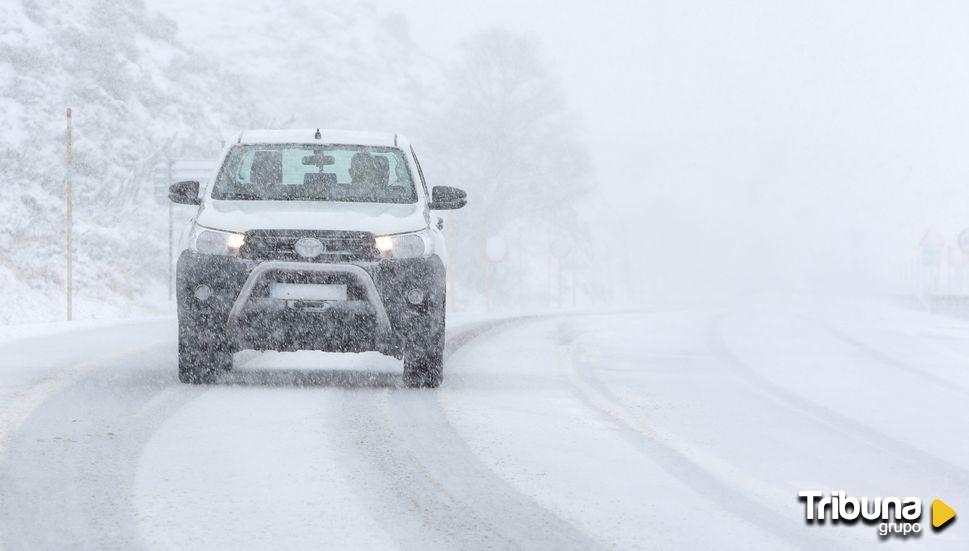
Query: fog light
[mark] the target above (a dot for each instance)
(203, 292)
(415, 296)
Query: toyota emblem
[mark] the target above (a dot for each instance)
(309, 247)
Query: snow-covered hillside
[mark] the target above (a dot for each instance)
(315, 63)
(138, 95)
(149, 82)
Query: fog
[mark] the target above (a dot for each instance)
(763, 144)
(626, 153)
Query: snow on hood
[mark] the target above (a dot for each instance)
(377, 218)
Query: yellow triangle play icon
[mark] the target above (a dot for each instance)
(941, 513)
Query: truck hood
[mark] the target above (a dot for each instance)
(377, 218)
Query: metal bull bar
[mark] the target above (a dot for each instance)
(358, 273)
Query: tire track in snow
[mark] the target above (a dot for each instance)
(26, 402)
(454, 500)
(910, 456)
(707, 477)
(880, 357)
(79, 494)
(68, 474)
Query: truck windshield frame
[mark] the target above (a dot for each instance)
(315, 172)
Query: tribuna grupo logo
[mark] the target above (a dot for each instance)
(895, 516)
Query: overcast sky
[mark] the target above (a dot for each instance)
(812, 140)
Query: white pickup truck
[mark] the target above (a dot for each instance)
(314, 240)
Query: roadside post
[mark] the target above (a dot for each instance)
(495, 251)
(70, 217)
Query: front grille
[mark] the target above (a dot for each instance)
(338, 246)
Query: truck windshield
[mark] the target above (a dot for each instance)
(315, 173)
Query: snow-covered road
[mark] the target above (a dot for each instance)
(665, 429)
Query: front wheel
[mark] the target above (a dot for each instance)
(424, 369)
(424, 355)
(203, 352)
(198, 367)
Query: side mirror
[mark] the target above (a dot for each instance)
(184, 193)
(447, 198)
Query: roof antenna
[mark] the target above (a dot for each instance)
(318, 136)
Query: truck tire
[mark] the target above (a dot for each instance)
(424, 370)
(424, 356)
(203, 352)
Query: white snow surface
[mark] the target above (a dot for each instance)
(670, 428)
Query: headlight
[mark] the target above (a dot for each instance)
(209, 241)
(403, 245)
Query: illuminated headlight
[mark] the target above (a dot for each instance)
(404, 245)
(209, 241)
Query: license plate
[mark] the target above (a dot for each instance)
(307, 291)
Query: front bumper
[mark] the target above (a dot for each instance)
(377, 316)
(358, 274)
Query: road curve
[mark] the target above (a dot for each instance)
(69, 466)
(680, 428)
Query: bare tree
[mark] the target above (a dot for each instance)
(507, 136)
